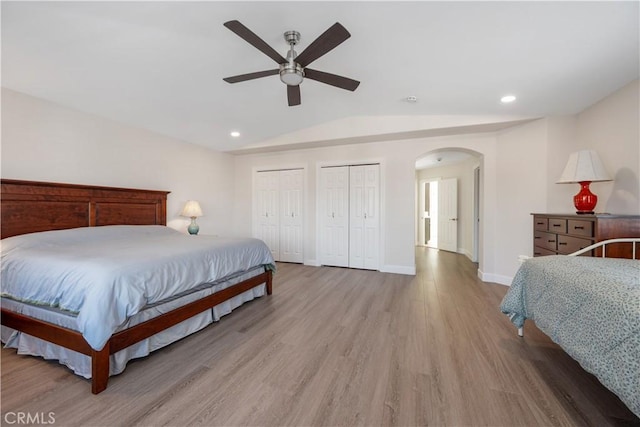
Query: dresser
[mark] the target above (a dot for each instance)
(567, 233)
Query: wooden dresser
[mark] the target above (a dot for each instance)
(567, 233)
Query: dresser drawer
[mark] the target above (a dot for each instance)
(541, 224)
(581, 228)
(568, 244)
(565, 233)
(557, 225)
(545, 240)
(542, 252)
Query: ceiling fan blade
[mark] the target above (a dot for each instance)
(331, 79)
(328, 40)
(251, 76)
(293, 95)
(254, 40)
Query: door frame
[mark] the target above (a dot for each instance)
(477, 178)
(421, 241)
(475, 211)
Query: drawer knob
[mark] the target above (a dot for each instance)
(578, 227)
(551, 241)
(556, 225)
(562, 243)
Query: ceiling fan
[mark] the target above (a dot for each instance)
(293, 69)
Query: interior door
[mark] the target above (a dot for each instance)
(268, 188)
(364, 216)
(334, 216)
(356, 216)
(291, 184)
(448, 214)
(371, 216)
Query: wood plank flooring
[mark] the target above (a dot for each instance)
(338, 347)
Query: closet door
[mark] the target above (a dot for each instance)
(334, 216)
(371, 217)
(291, 182)
(268, 186)
(364, 216)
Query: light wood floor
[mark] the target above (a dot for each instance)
(333, 347)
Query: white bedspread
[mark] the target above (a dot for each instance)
(107, 274)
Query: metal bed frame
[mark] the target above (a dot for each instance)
(634, 241)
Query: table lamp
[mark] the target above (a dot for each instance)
(584, 167)
(192, 209)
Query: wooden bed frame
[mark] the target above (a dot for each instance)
(30, 206)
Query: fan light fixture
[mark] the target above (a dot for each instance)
(291, 75)
(294, 68)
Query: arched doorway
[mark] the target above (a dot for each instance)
(448, 196)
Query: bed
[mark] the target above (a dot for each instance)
(590, 306)
(150, 285)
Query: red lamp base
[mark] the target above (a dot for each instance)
(585, 201)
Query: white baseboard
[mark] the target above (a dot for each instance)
(466, 253)
(395, 269)
(399, 269)
(495, 278)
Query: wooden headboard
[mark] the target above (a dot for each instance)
(30, 206)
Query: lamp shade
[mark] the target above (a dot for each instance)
(191, 209)
(583, 166)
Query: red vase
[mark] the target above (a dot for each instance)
(585, 201)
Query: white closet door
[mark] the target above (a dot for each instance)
(371, 216)
(291, 215)
(334, 216)
(268, 186)
(364, 213)
(356, 216)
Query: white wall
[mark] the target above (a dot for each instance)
(611, 127)
(561, 142)
(522, 189)
(397, 160)
(520, 166)
(531, 159)
(42, 141)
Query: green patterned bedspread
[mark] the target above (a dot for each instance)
(591, 308)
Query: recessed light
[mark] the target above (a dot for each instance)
(235, 134)
(412, 99)
(507, 99)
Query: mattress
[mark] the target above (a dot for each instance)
(106, 275)
(591, 308)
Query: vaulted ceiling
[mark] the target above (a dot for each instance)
(159, 65)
